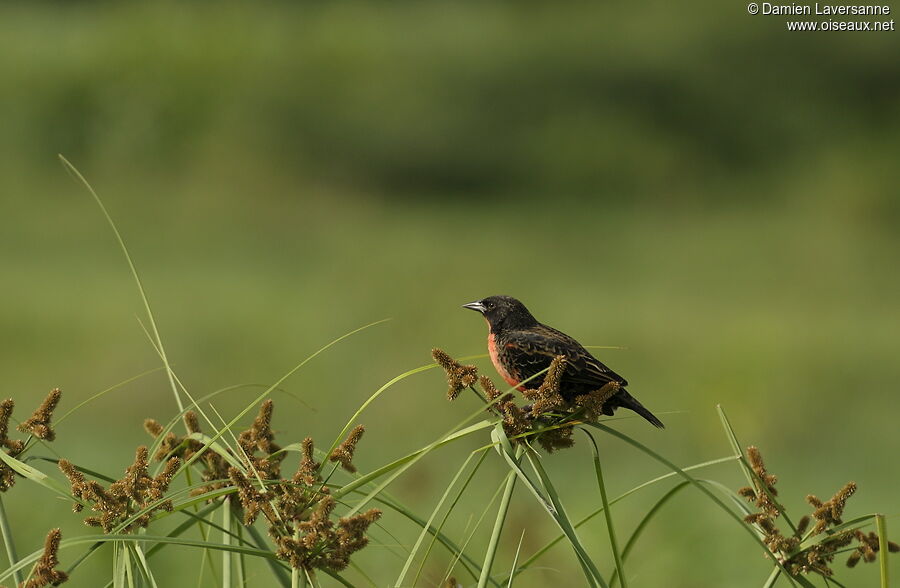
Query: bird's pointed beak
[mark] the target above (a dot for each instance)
(477, 305)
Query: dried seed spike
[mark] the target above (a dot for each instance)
(459, 376)
(555, 372)
(44, 573)
(153, 427)
(6, 410)
(308, 470)
(490, 390)
(839, 500)
(191, 422)
(343, 453)
(38, 424)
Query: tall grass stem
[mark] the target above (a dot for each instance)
(499, 522)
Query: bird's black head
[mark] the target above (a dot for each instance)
(503, 312)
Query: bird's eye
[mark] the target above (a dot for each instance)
(489, 305)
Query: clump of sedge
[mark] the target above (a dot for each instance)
(299, 510)
(38, 425)
(817, 557)
(129, 502)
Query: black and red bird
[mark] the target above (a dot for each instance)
(521, 347)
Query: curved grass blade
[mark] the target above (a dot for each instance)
(464, 558)
(503, 510)
(537, 554)
(484, 512)
(88, 539)
(881, 530)
(381, 390)
(753, 480)
(373, 475)
(604, 499)
(592, 574)
(268, 390)
(415, 549)
(112, 388)
(801, 580)
(8, 542)
(39, 477)
(629, 545)
(512, 572)
(134, 273)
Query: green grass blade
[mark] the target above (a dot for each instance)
(753, 480)
(629, 545)
(592, 574)
(604, 500)
(193, 520)
(279, 568)
(512, 573)
(143, 567)
(412, 554)
(700, 487)
(380, 391)
(226, 541)
(487, 507)
(8, 542)
(436, 534)
(504, 448)
(90, 539)
(134, 274)
(402, 465)
(112, 388)
(371, 399)
(540, 552)
(881, 529)
(268, 390)
(240, 568)
(773, 577)
(502, 511)
(37, 476)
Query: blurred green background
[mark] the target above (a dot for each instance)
(713, 194)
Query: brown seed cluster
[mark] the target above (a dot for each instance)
(549, 418)
(763, 491)
(320, 543)
(258, 451)
(129, 502)
(546, 397)
(459, 376)
(12, 448)
(44, 573)
(343, 453)
(298, 511)
(868, 548)
(38, 424)
(594, 404)
(829, 513)
(303, 527)
(816, 558)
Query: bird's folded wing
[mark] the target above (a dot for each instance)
(537, 348)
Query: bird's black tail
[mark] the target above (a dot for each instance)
(626, 400)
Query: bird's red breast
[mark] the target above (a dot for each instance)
(495, 359)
